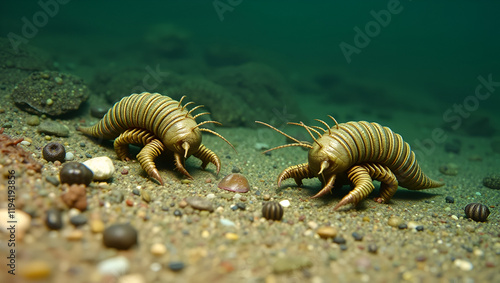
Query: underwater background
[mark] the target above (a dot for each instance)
(429, 70)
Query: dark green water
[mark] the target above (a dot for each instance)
(436, 50)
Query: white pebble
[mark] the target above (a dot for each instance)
(447, 208)
(210, 196)
(115, 266)
(313, 225)
(23, 221)
(463, 264)
(227, 222)
(454, 217)
(102, 167)
(69, 156)
(478, 193)
(236, 196)
(285, 203)
(26, 143)
(261, 146)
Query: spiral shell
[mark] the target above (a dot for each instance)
(477, 212)
(272, 211)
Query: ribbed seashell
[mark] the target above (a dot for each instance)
(272, 211)
(477, 212)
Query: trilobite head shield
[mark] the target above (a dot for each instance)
(183, 137)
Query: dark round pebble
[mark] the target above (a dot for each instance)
(449, 199)
(54, 151)
(492, 182)
(419, 228)
(421, 258)
(88, 155)
(177, 213)
(136, 192)
(53, 219)
(53, 180)
(357, 236)
(82, 144)
(176, 265)
(78, 220)
(402, 226)
(339, 240)
(75, 173)
(272, 211)
(120, 236)
(372, 248)
(235, 170)
(477, 212)
(241, 206)
(98, 111)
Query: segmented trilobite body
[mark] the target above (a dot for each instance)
(359, 152)
(160, 124)
(364, 142)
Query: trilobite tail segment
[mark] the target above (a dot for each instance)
(207, 156)
(297, 172)
(362, 175)
(412, 177)
(153, 147)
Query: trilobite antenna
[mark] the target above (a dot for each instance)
(309, 131)
(199, 114)
(297, 142)
(307, 127)
(286, 135)
(326, 125)
(180, 101)
(216, 134)
(185, 105)
(194, 109)
(337, 124)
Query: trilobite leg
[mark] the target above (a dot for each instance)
(146, 158)
(131, 136)
(207, 156)
(179, 164)
(388, 181)
(297, 172)
(363, 186)
(327, 188)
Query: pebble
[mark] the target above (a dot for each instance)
(449, 199)
(492, 182)
(402, 226)
(285, 203)
(176, 265)
(25, 143)
(261, 146)
(200, 203)
(78, 220)
(339, 240)
(177, 213)
(450, 169)
(419, 228)
(145, 196)
(210, 196)
(53, 180)
(357, 236)
(372, 248)
(463, 264)
(394, 221)
(266, 197)
(96, 226)
(53, 219)
(115, 266)
(234, 183)
(69, 156)
(23, 221)
(35, 270)
(231, 236)
(102, 167)
(326, 232)
(33, 120)
(120, 236)
(158, 249)
(53, 128)
(74, 235)
(227, 222)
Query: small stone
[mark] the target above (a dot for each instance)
(463, 264)
(183, 204)
(234, 183)
(33, 120)
(231, 236)
(53, 219)
(124, 171)
(261, 146)
(372, 248)
(78, 220)
(53, 180)
(120, 236)
(227, 222)
(394, 221)
(450, 169)
(419, 228)
(200, 203)
(96, 226)
(449, 199)
(235, 170)
(176, 265)
(23, 221)
(357, 236)
(492, 182)
(210, 196)
(35, 270)
(102, 167)
(74, 235)
(326, 232)
(158, 249)
(177, 213)
(75, 196)
(402, 226)
(115, 266)
(53, 128)
(339, 240)
(285, 203)
(266, 197)
(366, 219)
(145, 196)
(69, 156)
(241, 206)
